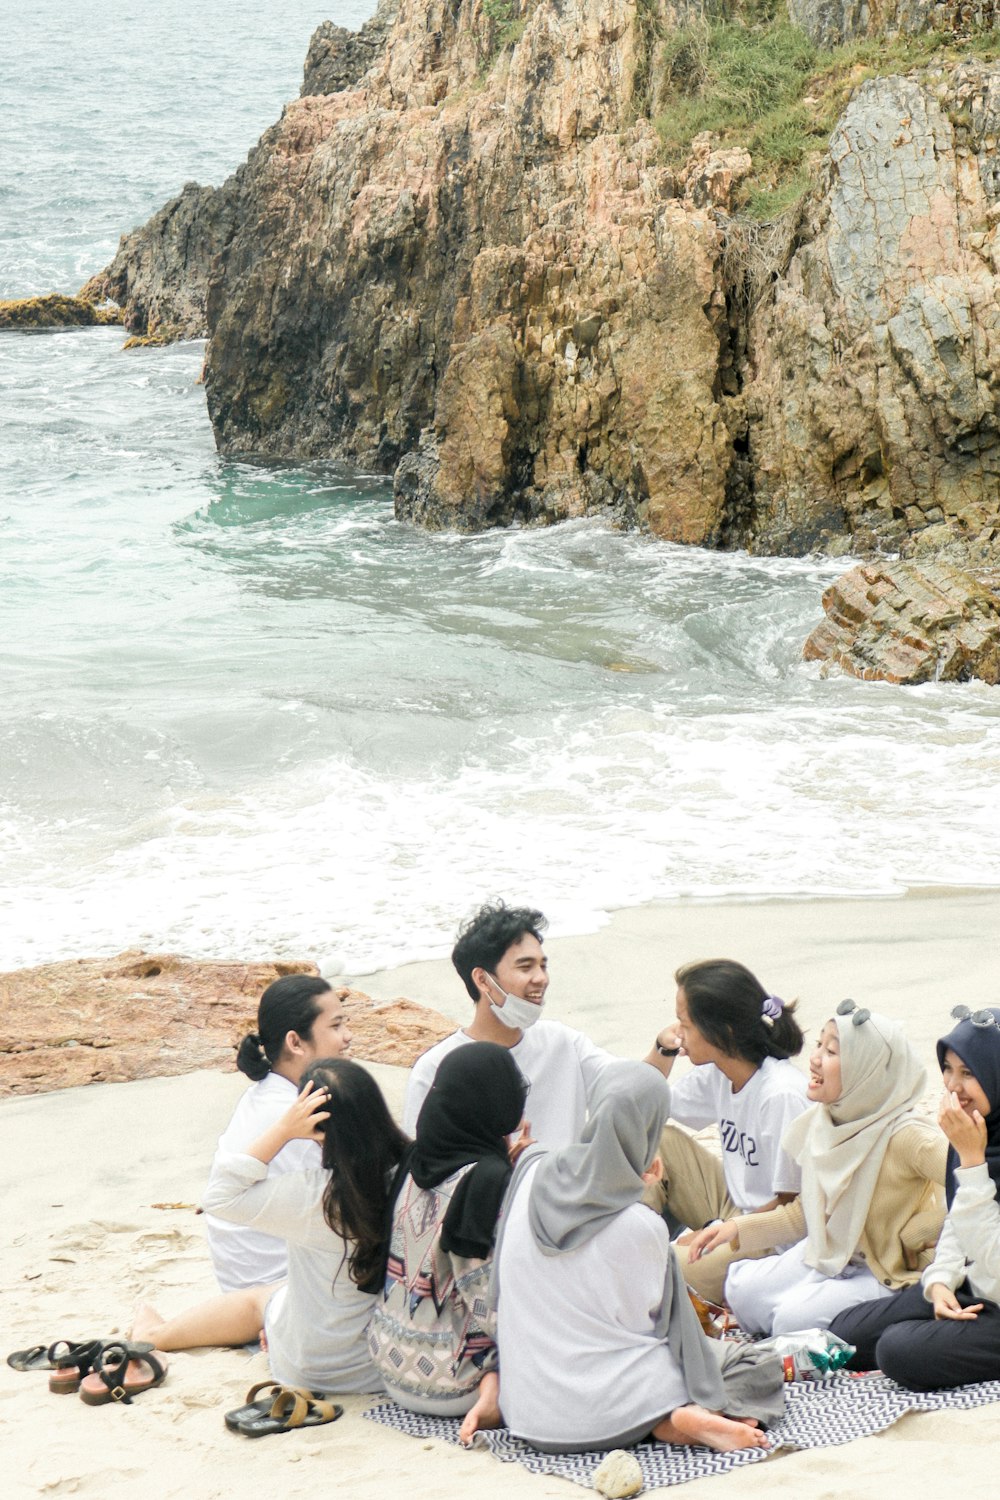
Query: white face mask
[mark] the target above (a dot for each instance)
(515, 1013)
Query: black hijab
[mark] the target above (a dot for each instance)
(476, 1100)
(979, 1049)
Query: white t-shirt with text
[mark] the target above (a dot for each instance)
(751, 1125)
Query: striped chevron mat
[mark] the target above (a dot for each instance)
(818, 1414)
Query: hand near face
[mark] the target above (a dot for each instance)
(965, 1130)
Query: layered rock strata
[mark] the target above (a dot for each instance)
(143, 1015)
(895, 622)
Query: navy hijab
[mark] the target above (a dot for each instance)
(979, 1049)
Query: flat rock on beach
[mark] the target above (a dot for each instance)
(144, 1015)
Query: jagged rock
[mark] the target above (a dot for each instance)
(472, 258)
(465, 263)
(337, 58)
(160, 275)
(711, 177)
(56, 311)
(875, 403)
(893, 622)
(832, 22)
(142, 1015)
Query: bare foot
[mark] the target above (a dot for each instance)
(485, 1413)
(146, 1323)
(693, 1424)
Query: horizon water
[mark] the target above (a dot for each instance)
(248, 714)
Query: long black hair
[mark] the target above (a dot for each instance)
(362, 1147)
(289, 1004)
(734, 1012)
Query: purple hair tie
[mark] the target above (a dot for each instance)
(771, 1009)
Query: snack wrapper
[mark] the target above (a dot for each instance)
(809, 1355)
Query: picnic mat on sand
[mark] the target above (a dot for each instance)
(818, 1414)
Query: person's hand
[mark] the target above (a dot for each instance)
(305, 1119)
(967, 1133)
(520, 1142)
(947, 1305)
(711, 1238)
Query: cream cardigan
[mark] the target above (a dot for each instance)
(904, 1218)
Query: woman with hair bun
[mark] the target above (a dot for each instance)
(740, 1039)
(299, 1020)
(871, 1204)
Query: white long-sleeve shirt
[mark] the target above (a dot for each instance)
(317, 1324)
(244, 1257)
(969, 1246)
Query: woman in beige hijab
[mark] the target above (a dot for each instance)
(871, 1203)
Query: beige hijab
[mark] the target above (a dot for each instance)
(841, 1146)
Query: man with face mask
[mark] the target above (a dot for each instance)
(500, 960)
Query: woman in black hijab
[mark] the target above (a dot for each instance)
(432, 1335)
(945, 1331)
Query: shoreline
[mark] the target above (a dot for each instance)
(100, 1185)
(912, 956)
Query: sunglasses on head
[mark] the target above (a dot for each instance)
(980, 1018)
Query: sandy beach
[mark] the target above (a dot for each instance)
(99, 1188)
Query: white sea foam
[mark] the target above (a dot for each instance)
(246, 712)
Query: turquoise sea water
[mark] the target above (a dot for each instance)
(246, 713)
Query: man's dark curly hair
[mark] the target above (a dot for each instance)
(484, 938)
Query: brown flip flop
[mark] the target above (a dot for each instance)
(117, 1373)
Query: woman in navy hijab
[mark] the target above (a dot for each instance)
(945, 1331)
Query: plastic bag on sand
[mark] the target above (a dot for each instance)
(809, 1355)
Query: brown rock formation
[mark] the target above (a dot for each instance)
(159, 277)
(875, 399)
(896, 623)
(338, 58)
(143, 1015)
(460, 259)
(56, 311)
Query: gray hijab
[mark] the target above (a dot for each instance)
(577, 1191)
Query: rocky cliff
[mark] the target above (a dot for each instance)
(461, 259)
(874, 402)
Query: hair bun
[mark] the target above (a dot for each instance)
(251, 1059)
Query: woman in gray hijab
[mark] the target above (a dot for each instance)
(599, 1344)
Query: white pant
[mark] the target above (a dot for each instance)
(783, 1295)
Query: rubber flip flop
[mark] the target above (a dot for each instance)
(117, 1373)
(35, 1358)
(291, 1408)
(256, 1404)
